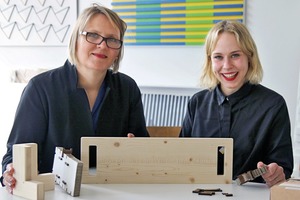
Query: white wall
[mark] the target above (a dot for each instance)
(273, 24)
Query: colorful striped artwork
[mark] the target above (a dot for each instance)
(174, 22)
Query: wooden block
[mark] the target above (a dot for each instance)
(30, 184)
(68, 171)
(288, 190)
(157, 160)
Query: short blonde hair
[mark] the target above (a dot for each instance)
(81, 22)
(245, 42)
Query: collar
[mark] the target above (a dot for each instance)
(74, 76)
(235, 97)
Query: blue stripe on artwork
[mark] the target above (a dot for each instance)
(228, 13)
(229, 6)
(216, 21)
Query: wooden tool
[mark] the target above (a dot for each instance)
(30, 184)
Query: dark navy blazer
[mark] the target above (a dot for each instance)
(255, 117)
(53, 111)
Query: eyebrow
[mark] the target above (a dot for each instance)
(107, 36)
(235, 51)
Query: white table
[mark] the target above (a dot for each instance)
(248, 191)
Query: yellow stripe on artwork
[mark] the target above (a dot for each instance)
(125, 7)
(130, 40)
(130, 20)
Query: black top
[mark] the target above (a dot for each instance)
(54, 112)
(255, 117)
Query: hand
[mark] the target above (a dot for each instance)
(8, 180)
(274, 175)
(130, 135)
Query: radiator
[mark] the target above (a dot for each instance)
(164, 109)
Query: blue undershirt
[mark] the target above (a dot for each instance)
(96, 108)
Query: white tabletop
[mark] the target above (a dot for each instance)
(154, 191)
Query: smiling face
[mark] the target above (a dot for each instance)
(229, 63)
(97, 57)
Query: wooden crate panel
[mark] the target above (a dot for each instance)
(156, 160)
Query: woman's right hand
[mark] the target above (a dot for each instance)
(8, 180)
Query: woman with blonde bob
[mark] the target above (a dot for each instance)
(245, 42)
(233, 104)
(87, 96)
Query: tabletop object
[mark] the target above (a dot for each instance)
(30, 184)
(157, 160)
(67, 170)
(251, 175)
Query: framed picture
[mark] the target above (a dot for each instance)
(174, 22)
(36, 22)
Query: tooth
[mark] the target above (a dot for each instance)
(229, 75)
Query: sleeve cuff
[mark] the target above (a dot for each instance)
(1, 180)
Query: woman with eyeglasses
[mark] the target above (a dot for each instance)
(87, 96)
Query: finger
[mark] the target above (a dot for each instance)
(9, 169)
(274, 170)
(260, 164)
(277, 180)
(8, 186)
(9, 181)
(9, 189)
(130, 135)
(5, 175)
(9, 166)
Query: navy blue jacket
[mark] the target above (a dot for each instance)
(255, 117)
(53, 112)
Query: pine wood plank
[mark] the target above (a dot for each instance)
(156, 160)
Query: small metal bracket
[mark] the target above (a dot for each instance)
(250, 175)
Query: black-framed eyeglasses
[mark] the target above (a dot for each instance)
(95, 38)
